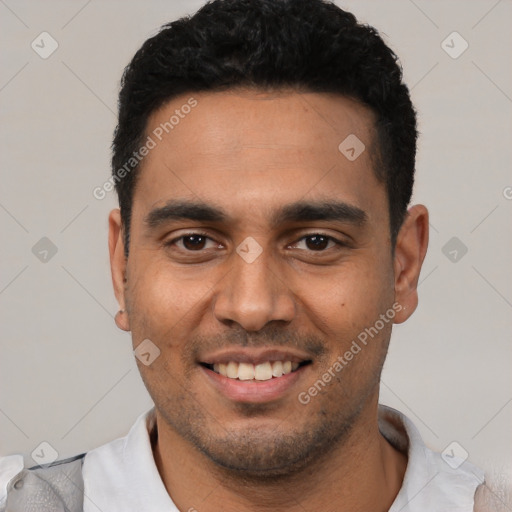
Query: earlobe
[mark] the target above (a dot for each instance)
(118, 266)
(122, 320)
(410, 250)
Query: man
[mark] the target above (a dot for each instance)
(264, 163)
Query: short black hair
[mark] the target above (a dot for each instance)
(309, 45)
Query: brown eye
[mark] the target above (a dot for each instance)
(194, 242)
(317, 242)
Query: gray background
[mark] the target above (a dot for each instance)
(68, 376)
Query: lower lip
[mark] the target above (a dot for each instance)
(253, 391)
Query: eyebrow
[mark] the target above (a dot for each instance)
(300, 211)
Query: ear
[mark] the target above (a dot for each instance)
(118, 266)
(410, 250)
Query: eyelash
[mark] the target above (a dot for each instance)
(339, 243)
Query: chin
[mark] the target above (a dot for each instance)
(262, 454)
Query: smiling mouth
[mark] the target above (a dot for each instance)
(256, 372)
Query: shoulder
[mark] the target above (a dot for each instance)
(56, 484)
(494, 495)
(440, 481)
(10, 467)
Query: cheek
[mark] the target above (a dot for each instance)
(170, 305)
(161, 301)
(353, 296)
(161, 297)
(348, 311)
(164, 308)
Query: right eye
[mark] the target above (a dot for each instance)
(191, 242)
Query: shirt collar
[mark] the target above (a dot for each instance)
(429, 481)
(122, 476)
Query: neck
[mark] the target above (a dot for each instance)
(363, 472)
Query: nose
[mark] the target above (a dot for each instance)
(253, 294)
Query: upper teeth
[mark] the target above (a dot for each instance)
(248, 371)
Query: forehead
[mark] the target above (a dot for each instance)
(243, 147)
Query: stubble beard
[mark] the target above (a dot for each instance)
(264, 453)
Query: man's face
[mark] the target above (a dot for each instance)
(272, 275)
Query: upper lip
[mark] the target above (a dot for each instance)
(254, 355)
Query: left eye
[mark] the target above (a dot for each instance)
(317, 242)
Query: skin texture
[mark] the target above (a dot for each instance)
(250, 153)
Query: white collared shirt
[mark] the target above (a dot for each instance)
(121, 476)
